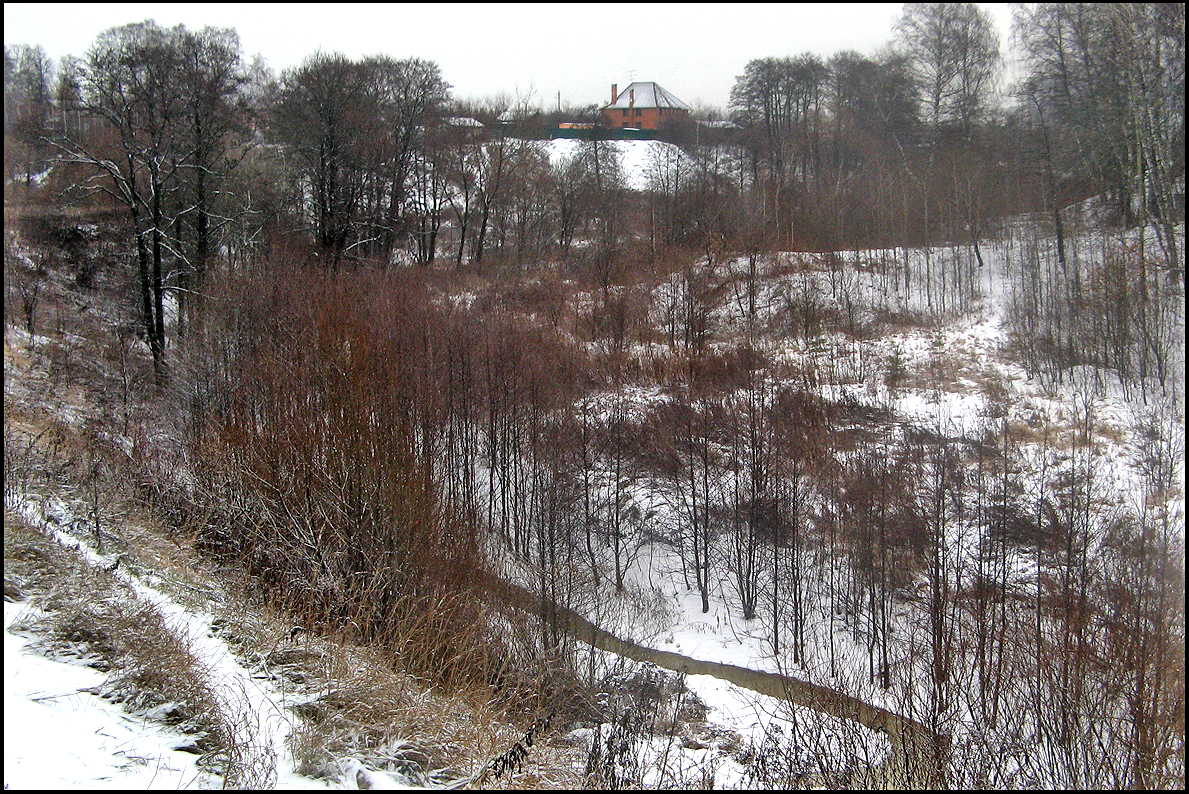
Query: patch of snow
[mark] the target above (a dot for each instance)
(636, 158)
(60, 736)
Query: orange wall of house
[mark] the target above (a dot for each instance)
(649, 118)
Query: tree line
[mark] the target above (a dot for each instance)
(358, 161)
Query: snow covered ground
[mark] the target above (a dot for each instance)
(972, 350)
(636, 158)
(60, 736)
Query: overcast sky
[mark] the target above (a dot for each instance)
(695, 50)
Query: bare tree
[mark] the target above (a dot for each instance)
(954, 56)
(131, 82)
(325, 116)
(409, 94)
(28, 104)
(210, 75)
(428, 191)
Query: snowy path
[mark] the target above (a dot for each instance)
(110, 747)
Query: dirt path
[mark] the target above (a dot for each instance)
(915, 749)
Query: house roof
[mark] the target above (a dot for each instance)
(647, 95)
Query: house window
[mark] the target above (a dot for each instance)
(625, 113)
(639, 112)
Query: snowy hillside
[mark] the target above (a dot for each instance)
(638, 159)
(981, 388)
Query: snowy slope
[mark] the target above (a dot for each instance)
(637, 158)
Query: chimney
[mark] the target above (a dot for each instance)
(614, 93)
(632, 97)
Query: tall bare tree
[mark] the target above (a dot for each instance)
(28, 104)
(130, 81)
(407, 95)
(326, 119)
(210, 75)
(953, 52)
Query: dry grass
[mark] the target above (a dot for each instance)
(363, 709)
(390, 721)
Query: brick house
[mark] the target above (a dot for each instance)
(643, 106)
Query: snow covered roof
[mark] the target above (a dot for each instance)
(646, 95)
(463, 121)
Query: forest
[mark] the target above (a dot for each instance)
(377, 362)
